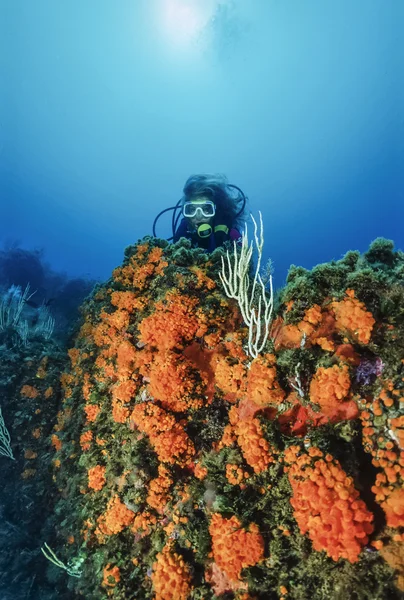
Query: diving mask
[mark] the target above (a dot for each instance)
(206, 209)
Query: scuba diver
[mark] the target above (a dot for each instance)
(210, 211)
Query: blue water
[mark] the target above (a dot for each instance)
(108, 107)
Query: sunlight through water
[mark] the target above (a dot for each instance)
(181, 21)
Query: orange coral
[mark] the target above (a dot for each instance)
(92, 411)
(28, 391)
(128, 301)
(74, 354)
(352, 318)
(87, 387)
(167, 437)
(263, 388)
(235, 474)
(326, 504)
(382, 437)
(254, 446)
(85, 440)
(329, 388)
(124, 390)
(158, 489)
(111, 576)
(394, 508)
(172, 381)
(63, 417)
(314, 328)
(200, 472)
(171, 576)
(347, 353)
(56, 443)
(96, 477)
(136, 275)
(143, 523)
(122, 393)
(228, 438)
(172, 323)
(118, 320)
(125, 359)
(230, 377)
(203, 281)
(397, 428)
(235, 548)
(186, 351)
(116, 517)
(313, 315)
(66, 380)
(48, 392)
(285, 336)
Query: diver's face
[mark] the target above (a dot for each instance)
(199, 218)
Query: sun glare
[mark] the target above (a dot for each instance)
(182, 20)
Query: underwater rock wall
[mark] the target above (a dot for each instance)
(29, 400)
(186, 469)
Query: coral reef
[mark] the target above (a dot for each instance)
(30, 398)
(188, 470)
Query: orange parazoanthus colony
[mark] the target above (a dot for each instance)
(330, 389)
(326, 504)
(115, 518)
(382, 437)
(235, 548)
(171, 577)
(96, 477)
(255, 448)
(166, 435)
(353, 318)
(189, 470)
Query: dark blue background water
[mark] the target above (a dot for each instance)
(107, 108)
